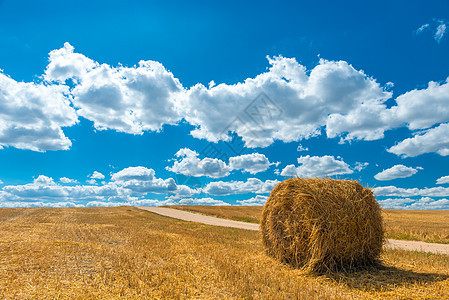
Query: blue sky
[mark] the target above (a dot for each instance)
(144, 103)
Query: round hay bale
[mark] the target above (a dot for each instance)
(322, 225)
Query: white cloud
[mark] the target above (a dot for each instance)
(393, 191)
(142, 180)
(421, 109)
(61, 204)
(416, 109)
(438, 27)
(39, 204)
(432, 140)
(439, 33)
(443, 180)
(184, 191)
(43, 180)
(296, 104)
(96, 175)
(317, 166)
(65, 64)
(409, 203)
(301, 148)
(44, 189)
(105, 204)
(359, 166)
(301, 104)
(67, 180)
(128, 187)
(254, 201)
(397, 171)
(368, 121)
(189, 164)
(133, 173)
(125, 99)
(422, 28)
(32, 115)
(1, 182)
(251, 185)
(251, 163)
(152, 202)
(202, 201)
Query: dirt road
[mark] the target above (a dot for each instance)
(199, 218)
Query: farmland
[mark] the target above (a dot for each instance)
(126, 253)
(418, 225)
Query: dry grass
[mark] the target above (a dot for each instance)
(250, 214)
(420, 225)
(126, 253)
(322, 224)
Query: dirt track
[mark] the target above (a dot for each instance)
(199, 218)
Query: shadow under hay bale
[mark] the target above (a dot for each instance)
(322, 225)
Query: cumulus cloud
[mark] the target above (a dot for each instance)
(189, 164)
(39, 204)
(96, 175)
(125, 99)
(104, 204)
(1, 182)
(88, 204)
(67, 180)
(65, 64)
(202, 201)
(286, 103)
(433, 140)
(43, 180)
(251, 163)
(308, 104)
(130, 186)
(416, 109)
(32, 115)
(251, 185)
(152, 202)
(142, 180)
(393, 191)
(397, 171)
(258, 200)
(317, 166)
(183, 191)
(443, 180)
(421, 109)
(410, 203)
(44, 189)
(296, 105)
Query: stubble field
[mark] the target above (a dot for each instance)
(430, 226)
(127, 253)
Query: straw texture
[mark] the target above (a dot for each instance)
(322, 225)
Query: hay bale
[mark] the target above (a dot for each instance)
(322, 225)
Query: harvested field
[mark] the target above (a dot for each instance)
(418, 225)
(127, 253)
